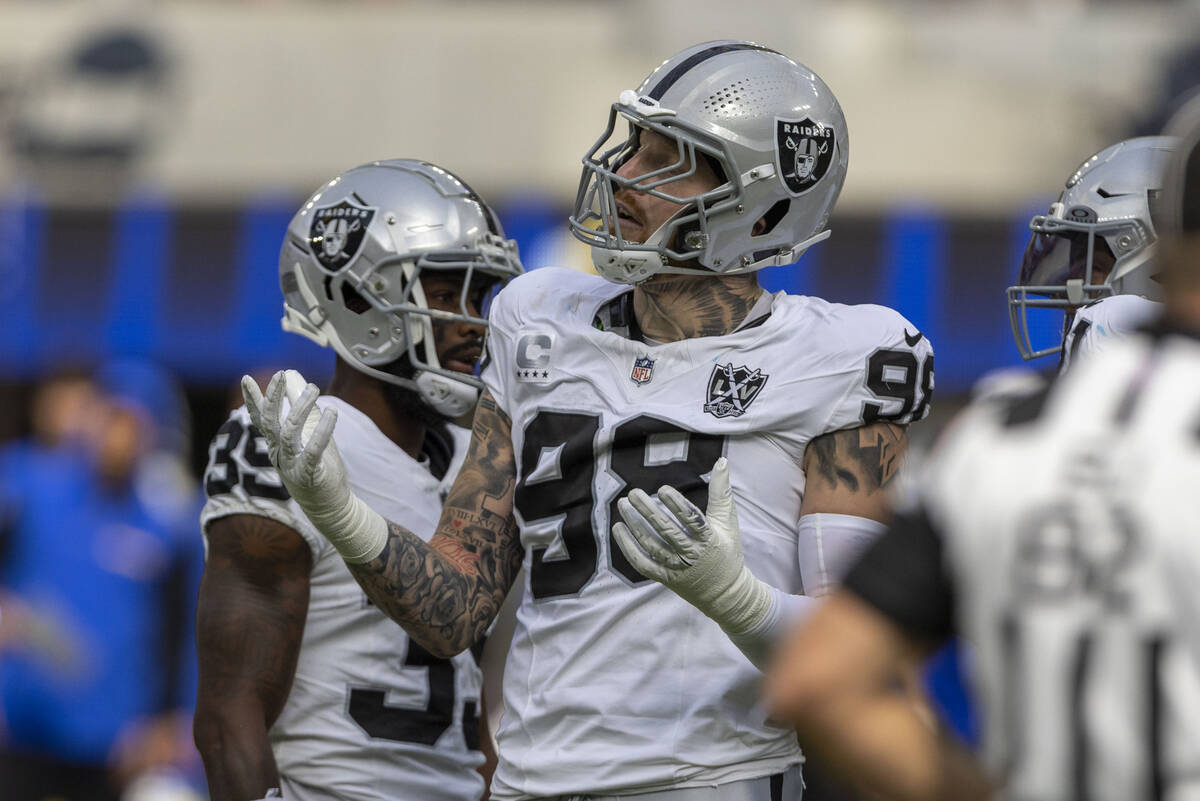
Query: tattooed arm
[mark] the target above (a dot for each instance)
(848, 471)
(845, 502)
(446, 592)
(250, 619)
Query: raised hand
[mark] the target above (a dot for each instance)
(298, 442)
(302, 449)
(673, 542)
(696, 554)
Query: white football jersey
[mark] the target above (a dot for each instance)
(371, 714)
(1063, 528)
(1099, 324)
(613, 683)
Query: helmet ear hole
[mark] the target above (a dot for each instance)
(774, 214)
(353, 301)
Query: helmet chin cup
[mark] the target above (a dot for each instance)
(629, 266)
(445, 396)
(636, 266)
(626, 266)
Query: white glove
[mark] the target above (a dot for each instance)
(697, 556)
(302, 449)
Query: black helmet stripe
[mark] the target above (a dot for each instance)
(682, 67)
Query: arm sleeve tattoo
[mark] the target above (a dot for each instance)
(446, 592)
(852, 468)
(861, 459)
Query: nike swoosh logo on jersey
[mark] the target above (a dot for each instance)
(912, 339)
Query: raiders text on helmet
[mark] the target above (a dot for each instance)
(773, 132)
(1097, 239)
(352, 262)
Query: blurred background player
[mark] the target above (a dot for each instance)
(98, 572)
(1095, 254)
(304, 685)
(728, 158)
(1055, 531)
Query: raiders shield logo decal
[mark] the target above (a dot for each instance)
(731, 389)
(337, 232)
(803, 152)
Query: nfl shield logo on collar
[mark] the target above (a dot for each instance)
(643, 370)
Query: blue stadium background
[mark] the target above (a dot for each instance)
(196, 288)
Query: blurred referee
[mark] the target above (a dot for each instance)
(1059, 532)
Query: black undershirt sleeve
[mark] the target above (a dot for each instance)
(903, 576)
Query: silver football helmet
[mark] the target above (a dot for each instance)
(352, 262)
(1098, 239)
(771, 129)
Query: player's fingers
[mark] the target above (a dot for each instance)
(320, 440)
(298, 416)
(253, 397)
(667, 527)
(720, 492)
(634, 552)
(294, 383)
(272, 407)
(291, 428)
(643, 548)
(648, 536)
(686, 512)
(295, 388)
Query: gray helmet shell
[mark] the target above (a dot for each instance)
(1107, 202)
(352, 261)
(769, 124)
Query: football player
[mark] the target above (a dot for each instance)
(728, 158)
(304, 685)
(1094, 253)
(1055, 532)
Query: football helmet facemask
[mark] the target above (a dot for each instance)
(773, 133)
(352, 264)
(1098, 238)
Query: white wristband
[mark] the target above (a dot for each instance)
(783, 612)
(357, 531)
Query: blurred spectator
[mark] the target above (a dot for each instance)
(99, 564)
(61, 407)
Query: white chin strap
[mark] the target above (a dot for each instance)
(445, 395)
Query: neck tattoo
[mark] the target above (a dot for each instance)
(674, 307)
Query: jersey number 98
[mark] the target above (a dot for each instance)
(567, 490)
